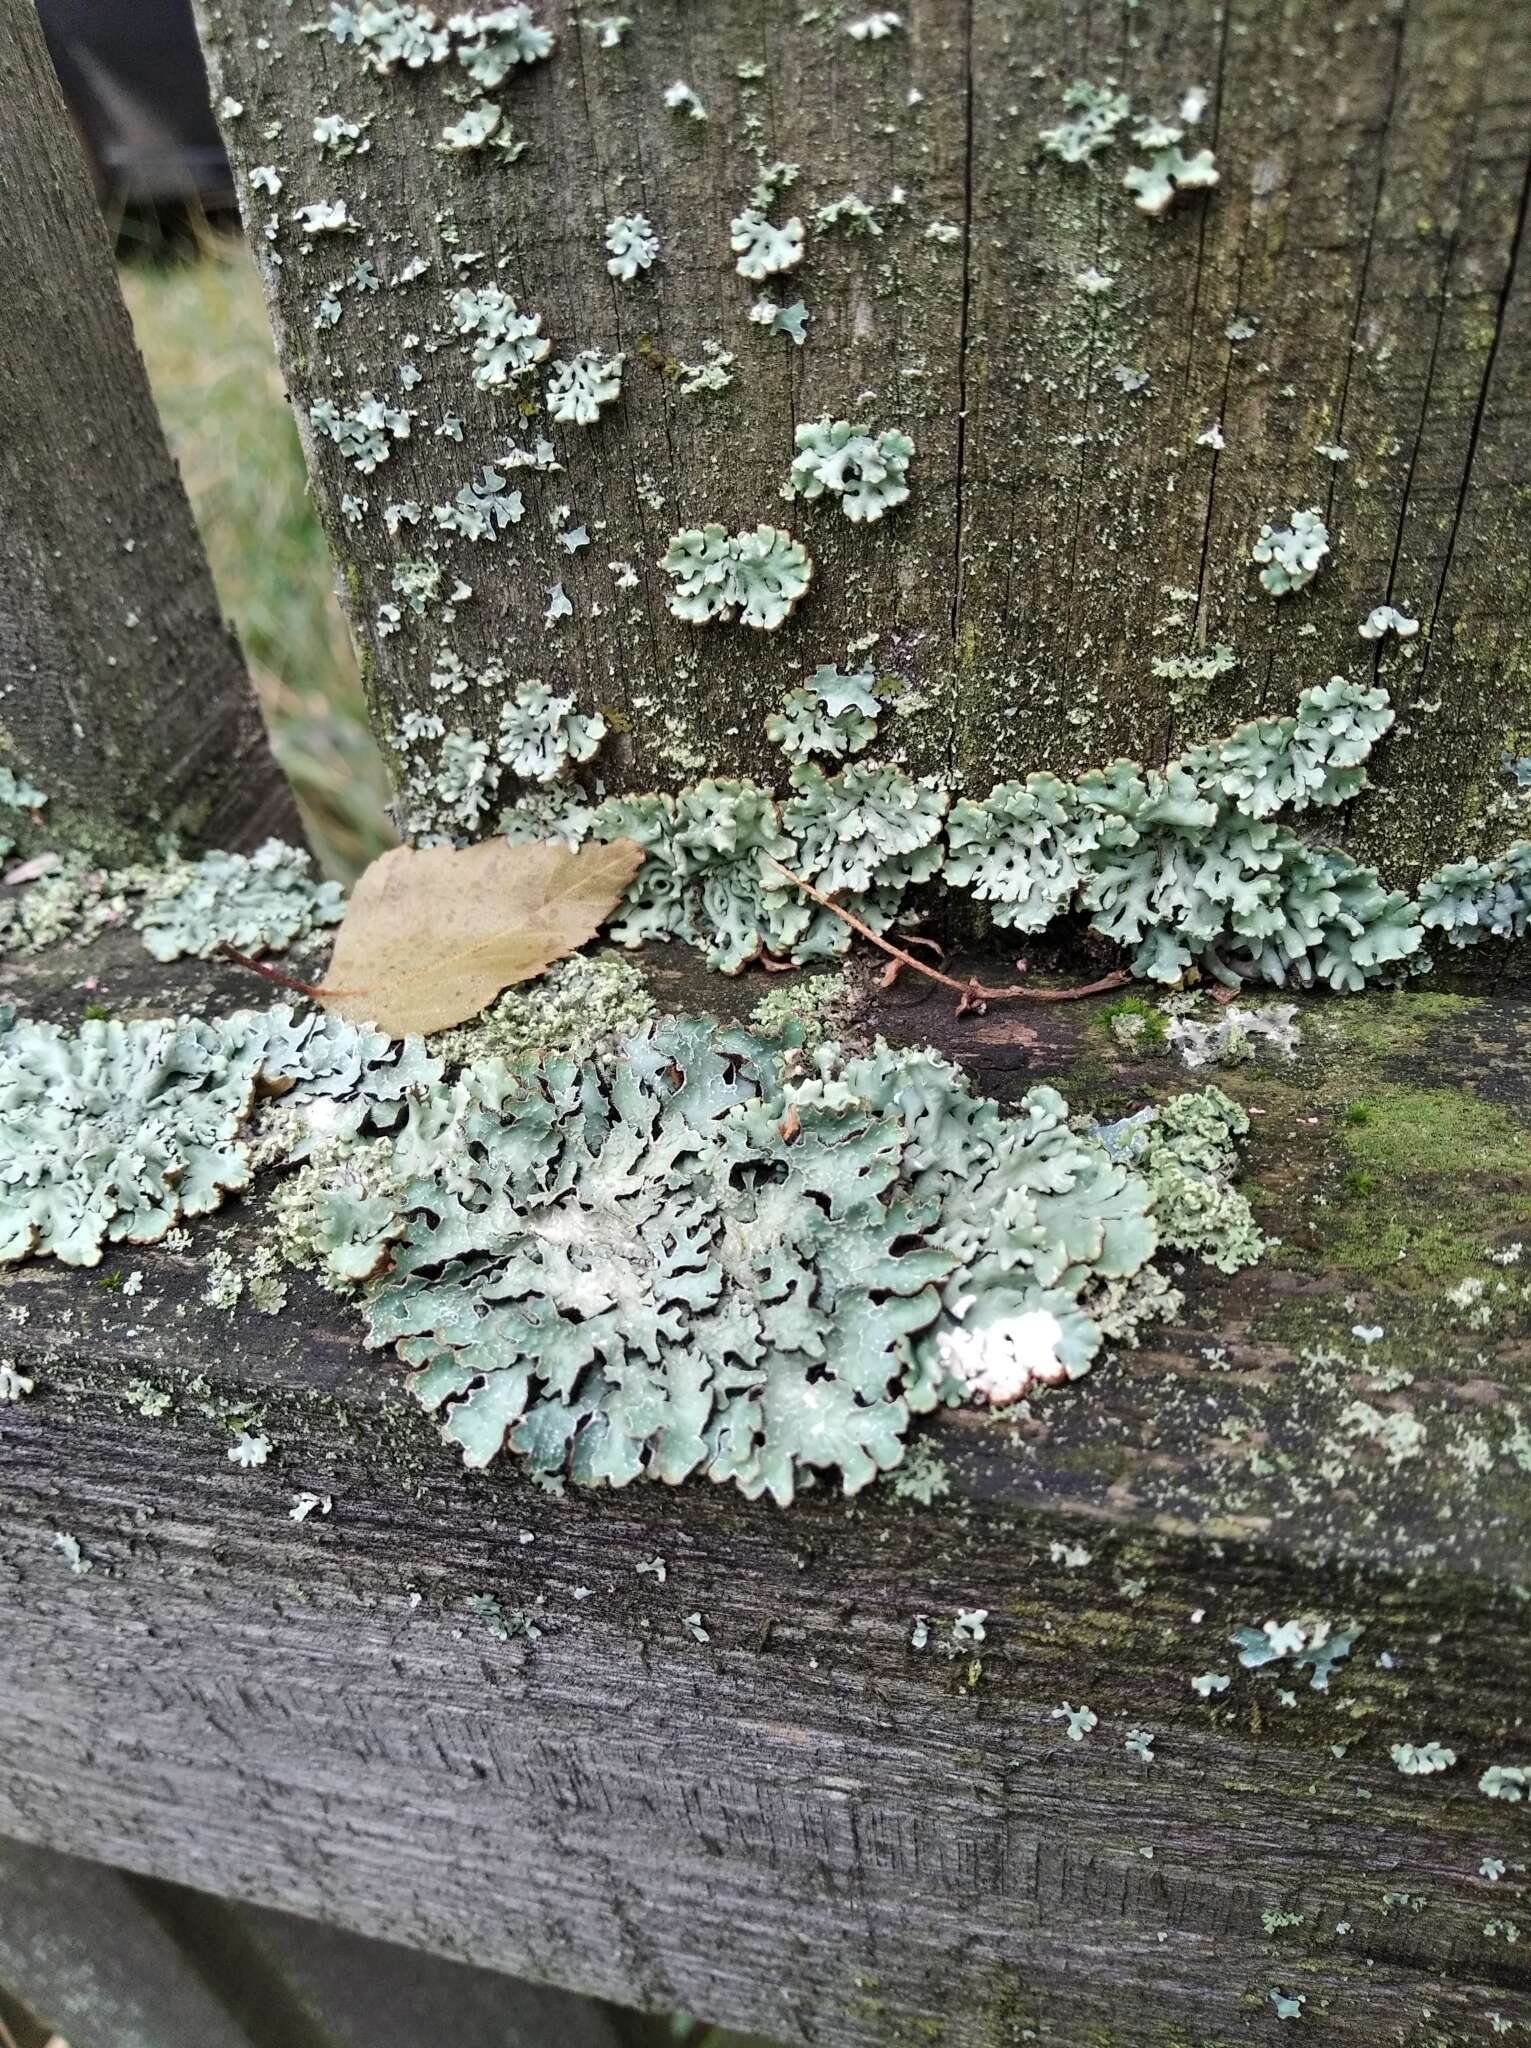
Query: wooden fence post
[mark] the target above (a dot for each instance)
(123, 695)
(1107, 404)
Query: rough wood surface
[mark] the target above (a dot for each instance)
(122, 693)
(1063, 530)
(804, 1824)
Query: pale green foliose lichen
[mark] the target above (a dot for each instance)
(633, 245)
(581, 385)
(1309, 1642)
(1421, 1759)
(543, 736)
(364, 432)
(489, 42)
(481, 125)
(1187, 864)
(866, 472)
(1098, 111)
(508, 344)
(706, 1255)
(1169, 171)
(762, 249)
(831, 714)
(22, 800)
(257, 903)
(1472, 900)
(1290, 555)
(117, 1132)
(755, 576)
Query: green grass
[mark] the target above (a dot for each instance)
(201, 325)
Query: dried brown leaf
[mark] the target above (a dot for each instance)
(432, 934)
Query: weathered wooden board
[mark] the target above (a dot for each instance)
(122, 693)
(1365, 242)
(803, 1824)
(123, 1962)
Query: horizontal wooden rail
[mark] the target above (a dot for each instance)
(804, 1823)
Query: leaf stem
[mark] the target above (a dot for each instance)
(974, 995)
(224, 951)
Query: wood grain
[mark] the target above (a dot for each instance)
(122, 693)
(1368, 225)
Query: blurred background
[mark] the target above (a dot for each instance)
(134, 81)
(133, 77)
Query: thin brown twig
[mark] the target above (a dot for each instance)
(973, 993)
(316, 990)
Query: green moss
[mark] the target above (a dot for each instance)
(1433, 1176)
(1134, 1023)
(1390, 1022)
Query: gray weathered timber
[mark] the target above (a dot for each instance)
(116, 1961)
(804, 1824)
(122, 693)
(1064, 531)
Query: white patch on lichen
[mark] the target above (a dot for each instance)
(999, 1363)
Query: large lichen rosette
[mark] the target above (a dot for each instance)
(704, 1255)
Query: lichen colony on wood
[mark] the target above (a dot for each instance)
(703, 1252)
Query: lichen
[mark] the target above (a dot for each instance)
(633, 245)
(1098, 111)
(578, 1007)
(543, 736)
(117, 1132)
(831, 714)
(1472, 900)
(755, 576)
(1421, 1759)
(702, 1254)
(805, 1012)
(1169, 171)
(508, 344)
(1233, 1034)
(789, 320)
(364, 432)
(1290, 555)
(581, 385)
(866, 472)
(1186, 864)
(258, 903)
(762, 249)
(1385, 618)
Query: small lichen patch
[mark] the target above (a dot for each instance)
(865, 471)
(754, 577)
(578, 1007)
(831, 714)
(258, 903)
(1290, 555)
(580, 386)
